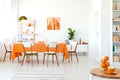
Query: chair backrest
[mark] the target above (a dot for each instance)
(26, 45)
(23, 48)
(8, 47)
(74, 45)
(52, 45)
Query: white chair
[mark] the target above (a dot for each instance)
(51, 45)
(29, 53)
(8, 49)
(72, 50)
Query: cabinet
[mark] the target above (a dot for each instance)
(82, 48)
(116, 28)
(26, 31)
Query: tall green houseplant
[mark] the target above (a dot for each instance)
(71, 33)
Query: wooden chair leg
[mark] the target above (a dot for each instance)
(70, 59)
(4, 56)
(57, 60)
(71, 56)
(47, 59)
(76, 57)
(10, 56)
(18, 58)
(37, 59)
(52, 59)
(32, 59)
(23, 59)
(43, 58)
(63, 57)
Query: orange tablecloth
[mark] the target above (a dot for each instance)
(40, 47)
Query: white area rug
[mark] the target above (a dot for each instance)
(39, 75)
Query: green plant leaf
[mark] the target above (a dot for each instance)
(71, 33)
(22, 17)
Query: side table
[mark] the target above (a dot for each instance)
(100, 73)
(82, 48)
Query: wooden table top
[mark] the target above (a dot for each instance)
(101, 73)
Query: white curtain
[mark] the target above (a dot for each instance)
(8, 29)
(95, 30)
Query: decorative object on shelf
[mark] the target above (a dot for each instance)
(71, 33)
(80, 42)
(26, 31)
(105, 66)
(84, 42)
(115, 30)
(22, 18)
(29, 24)
(115, 7)
(116, 19)
(53, 23)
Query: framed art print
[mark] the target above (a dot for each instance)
(53, 23)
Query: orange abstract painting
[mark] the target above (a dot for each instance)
(53, 23)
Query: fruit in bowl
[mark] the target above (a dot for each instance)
(107, 63)
(106, 58)
(104, 63)
(105, 66)
(110, 70)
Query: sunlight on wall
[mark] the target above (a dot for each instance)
(7, 30)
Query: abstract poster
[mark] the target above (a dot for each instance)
(53, 23)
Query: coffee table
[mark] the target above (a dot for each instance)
(100, 73)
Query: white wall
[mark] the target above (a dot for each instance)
(72, 13)
(79, 14)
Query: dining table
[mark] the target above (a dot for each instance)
(40, 47)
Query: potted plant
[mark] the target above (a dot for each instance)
(22, 18)
(71, 33)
